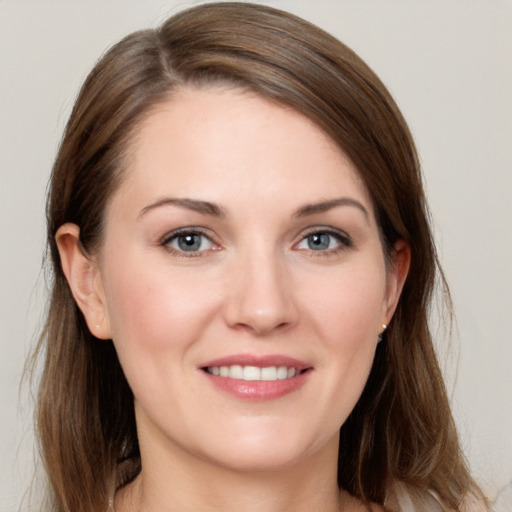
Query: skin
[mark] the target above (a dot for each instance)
(256, 285)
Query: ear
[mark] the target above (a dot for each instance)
(84, 280)
(397, 274)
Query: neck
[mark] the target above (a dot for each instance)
(166, 484)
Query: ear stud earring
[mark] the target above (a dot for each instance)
(380, 336)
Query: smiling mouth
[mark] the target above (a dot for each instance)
(254, 373)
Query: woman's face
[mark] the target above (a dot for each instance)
(243, 282)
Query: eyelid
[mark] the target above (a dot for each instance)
(196, 230)
(182, 231)
(341, 236)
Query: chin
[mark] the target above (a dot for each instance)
(275, 451)
(259, 460)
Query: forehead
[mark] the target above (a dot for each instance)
(225, 142)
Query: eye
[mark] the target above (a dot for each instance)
(324, 240)
(188, 241)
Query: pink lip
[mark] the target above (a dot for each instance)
(260, 361)
(258, 390)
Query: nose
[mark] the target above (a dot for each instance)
(260, 297)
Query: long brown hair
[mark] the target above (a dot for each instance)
(401, 430)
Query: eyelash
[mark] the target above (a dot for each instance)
(345, 242)
(341, 237)
(183, 232)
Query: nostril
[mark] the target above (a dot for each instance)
(259, 302)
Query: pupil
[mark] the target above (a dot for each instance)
(318, 241)
(189, 242)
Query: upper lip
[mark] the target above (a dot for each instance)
(261, 361)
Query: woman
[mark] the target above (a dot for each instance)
(243, 270)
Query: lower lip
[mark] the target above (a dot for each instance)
(258, 389)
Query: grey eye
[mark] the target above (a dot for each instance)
(324, 240)
(190, 242)
(318, 241)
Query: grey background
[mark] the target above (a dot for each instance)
(449, 65)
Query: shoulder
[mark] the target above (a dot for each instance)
(401, 498)
(353, 504)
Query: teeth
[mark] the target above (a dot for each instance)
(253, 372)
(235, 372)
(282, 372)
(269, 373)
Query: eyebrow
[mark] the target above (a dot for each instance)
(204, 207)
(314, 208)
(214, 210)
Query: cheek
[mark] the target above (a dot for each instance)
(348, 307)
(342, 311)
(155, 310)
